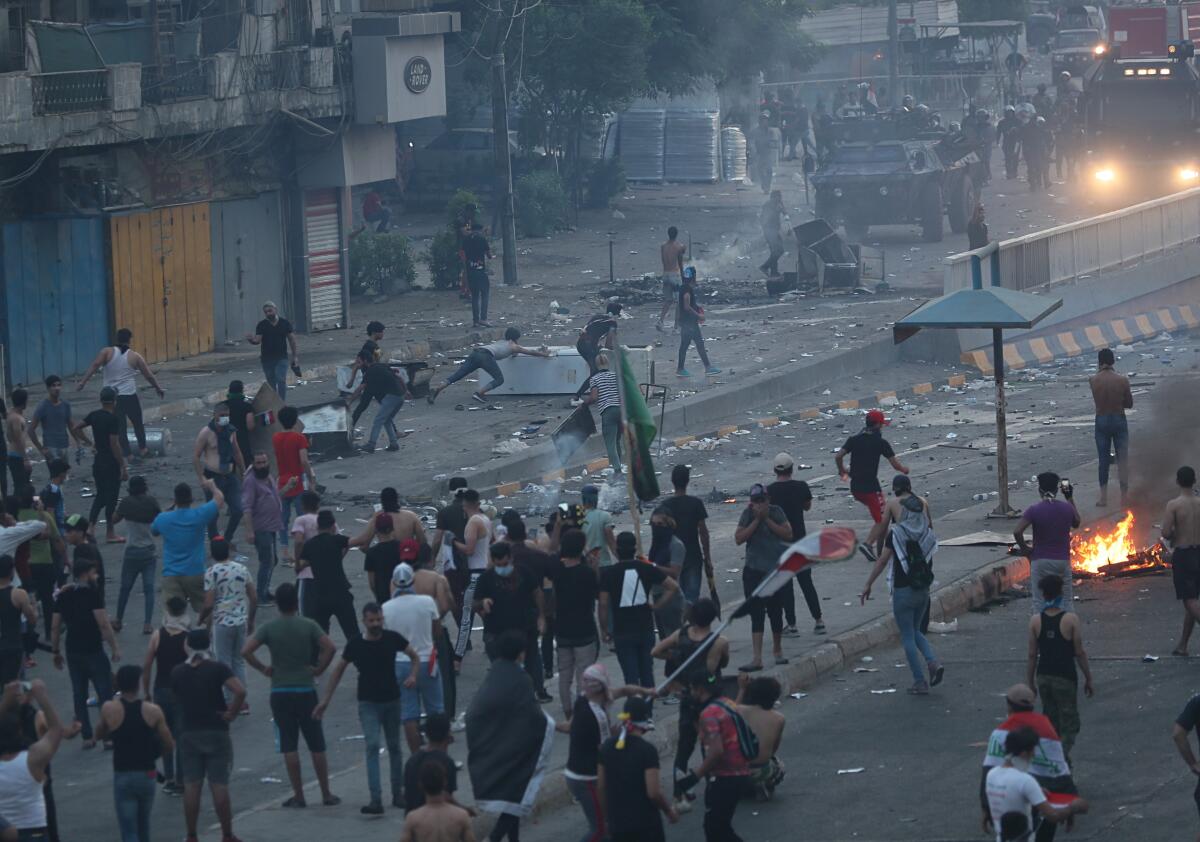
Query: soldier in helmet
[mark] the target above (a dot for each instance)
(1042, 102)
(1008, 132)
(1035, 147)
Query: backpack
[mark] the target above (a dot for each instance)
(747, 739)
(920, 569)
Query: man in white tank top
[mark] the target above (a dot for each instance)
(121, 366)
(23, 771)
(488, 358)
(478, 535)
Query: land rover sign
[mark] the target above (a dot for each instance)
(417, 75)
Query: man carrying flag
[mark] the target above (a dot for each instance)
(639, 431)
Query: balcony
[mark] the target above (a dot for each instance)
(176, 82)
(70, 92)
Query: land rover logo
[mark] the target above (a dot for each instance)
(417, 75)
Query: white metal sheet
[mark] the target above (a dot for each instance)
(323, 259)
(562, 374)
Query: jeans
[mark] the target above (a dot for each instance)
(164, 697)
(573, 659)
(289, 503)
(481, 293)
(373, 716)
(276, 372)
(264, 545)
(1112, 433)
(908, 605)
(1040, 567)
(633, 654)
(230, 485)
(133, 793)
(610, 423)
(427, 694)
(690, 579)
(721, 798)
(130, 408)
(585, 793)
(477, 359)
(388, 407)
(82, 668)
(689, 332)
(227, 643)
(138, 561)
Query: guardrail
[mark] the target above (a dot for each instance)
(70, 91)
(176, 81)
(946, 92)
(1115, 240)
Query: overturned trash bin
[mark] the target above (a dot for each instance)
(825, 260)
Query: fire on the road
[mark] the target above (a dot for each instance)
(1114, 552)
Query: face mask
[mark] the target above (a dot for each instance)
(505, 571)
(262, 473)
(223, 421)
(1021, 763)
(660, 533)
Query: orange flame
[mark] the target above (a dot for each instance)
(1092, 553)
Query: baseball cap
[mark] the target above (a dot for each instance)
(108, 394)
(1020, 695)
(757, 490)
(783, 462)
(877, 419)
(639, 712)
(589, 492)
(402, 576)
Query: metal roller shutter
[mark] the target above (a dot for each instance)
(323, 259)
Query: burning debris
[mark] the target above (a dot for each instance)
(1114, 553)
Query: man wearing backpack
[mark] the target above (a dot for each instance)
(909, 549)
(728, 744)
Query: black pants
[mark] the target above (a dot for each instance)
(130, 408)
(363, 403)
(481, 293)
(108, 490)
(44, 580)
(445, 654)
(804, 580)
(771, 607)
(325, 604)
(721, 798)
(589, 350)
(775, 244)
(689, 720)
(20, 476)
(507, 825)
(688, 333)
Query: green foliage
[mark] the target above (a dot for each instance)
(380, 263)
(541, 203)
(605, 181)
(445, 267)
(454, 208)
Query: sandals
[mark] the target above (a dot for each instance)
(1179, 653)
(750, 668)
(294, 803)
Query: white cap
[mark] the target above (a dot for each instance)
(402, 576)
(783, 463)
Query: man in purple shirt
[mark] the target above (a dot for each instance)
(261, 503)
(1052, 521)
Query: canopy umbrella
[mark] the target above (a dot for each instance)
(991, 307)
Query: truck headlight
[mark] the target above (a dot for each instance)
(1105, 175)
(883, 191)
(1189, 174)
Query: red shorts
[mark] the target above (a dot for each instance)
(873, 500)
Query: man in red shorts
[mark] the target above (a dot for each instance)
(865, 450)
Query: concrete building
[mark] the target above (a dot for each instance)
(166, 166)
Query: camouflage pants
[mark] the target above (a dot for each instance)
(1060, 703)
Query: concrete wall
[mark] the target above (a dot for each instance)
(379, 90)
(362, 155)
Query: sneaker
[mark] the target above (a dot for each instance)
(367, 448)
(576, 402)
(392, 448)
(478, 398)
(375, 808)
(868, 552)
(669, 700)
(543, 696)
(711, 370)
(398, 801)
(682, 372)
(936, 673)
(919, 689)
(819, 628)
(173, 789)
(682, 805)
(459, 725)
(791, 631)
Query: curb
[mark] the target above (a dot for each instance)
(955, 598)
(594, 466)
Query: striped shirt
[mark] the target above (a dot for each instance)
(605, 382)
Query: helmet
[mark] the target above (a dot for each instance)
(1065, 76)
(982, 115)
(956, 127)
(1008, 109)
(1041, 121)
(864, 86)
(908, 100)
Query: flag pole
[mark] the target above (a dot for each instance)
(627, 435)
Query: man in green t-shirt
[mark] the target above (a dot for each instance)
(300, 652)
(41, 553)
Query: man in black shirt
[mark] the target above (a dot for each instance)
(205, 750)
(382, 557)
(370, 352)
(691, 314)
(626, 586)
(79, 607)
(509, 598)
(576, 589)
(476, 251)
(108, 469)
(378, 698)
(628, 784)
(527, 555)
(331, 595)
(795, 498)
(435, 750)
(596, 335)
(380, 383)
(276, 338)
(691, 527)
(241, 416)
(865, 449)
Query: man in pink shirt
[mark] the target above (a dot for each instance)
(304, 527)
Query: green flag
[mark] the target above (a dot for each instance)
(642, 430)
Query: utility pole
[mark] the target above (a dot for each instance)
(503, 161)
(893, 33)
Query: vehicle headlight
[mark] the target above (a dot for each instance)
(883, 191)
(837, 191)
(1105, 174)
(1189, 174)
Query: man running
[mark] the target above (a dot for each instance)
(488, 357)
(672, 252)
(1181, 529)
(121, 367)
(1112, 397)
(276, 338)
(691, 316)
(865, 449)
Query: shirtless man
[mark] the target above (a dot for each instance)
(16, 431)
(1181, 528)
(428, 582)
(439, 820)
(756, 703)
(672, 265)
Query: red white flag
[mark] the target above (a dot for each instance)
(833, 543)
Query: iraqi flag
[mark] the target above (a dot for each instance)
(833, 543)
(1049, 764)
